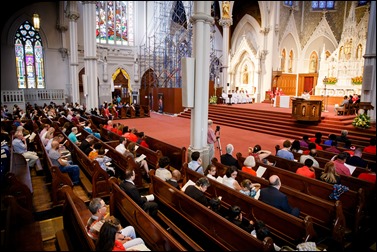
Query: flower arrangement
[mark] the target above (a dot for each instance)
(213, 99)
(358, 80)
(330, 80)
(362, 120)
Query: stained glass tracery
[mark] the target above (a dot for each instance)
(29, 57)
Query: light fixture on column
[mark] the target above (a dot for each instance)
(36, 21)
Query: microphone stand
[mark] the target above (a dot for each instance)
(326, 96)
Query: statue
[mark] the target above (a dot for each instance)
(226, 9)
(245, 76)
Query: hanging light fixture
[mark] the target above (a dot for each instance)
(36, 21)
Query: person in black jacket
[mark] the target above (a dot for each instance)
(129, 187)
(176, 176)
(197, 191)
(235, 216)
(228, 159)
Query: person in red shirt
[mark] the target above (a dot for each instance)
(371, 148)
(307, 170)
(131, 136)
(370, 175)
(141, 140)
(340, 168)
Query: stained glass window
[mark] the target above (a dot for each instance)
(29, 57)
(323, 5)
(114, 22)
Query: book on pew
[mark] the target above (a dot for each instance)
(32, 136)
(136, 147)
(64, 142)
(350, 167)
(140, 158)
(190, 182)
(139, 247)
(260, 171)
(79, 134)
(150, 197)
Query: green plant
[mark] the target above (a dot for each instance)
(358, 80)
(213, 99)
(362, 120)
(330, 80)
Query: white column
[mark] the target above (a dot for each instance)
(73, 15)
(368, 89)
(225, 23)
(201, 20)
(90, 54)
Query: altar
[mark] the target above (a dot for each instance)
(306, 110)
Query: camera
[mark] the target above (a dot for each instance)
(217, 128)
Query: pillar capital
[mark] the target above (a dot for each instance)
(226, 22)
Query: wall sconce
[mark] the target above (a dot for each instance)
(36, 22)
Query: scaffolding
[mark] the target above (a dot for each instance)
(171, 41)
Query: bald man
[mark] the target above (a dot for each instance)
(273, 197)
(175, 177)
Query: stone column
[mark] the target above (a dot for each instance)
(225, 23)
(90, 53)
(368, 89)
(201, 20)
(73, 14)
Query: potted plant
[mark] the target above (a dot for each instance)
(213, 99)
(358, 80)
(362, 120)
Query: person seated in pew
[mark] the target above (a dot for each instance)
(141, 139)
(228, 159)
(339, 162)
(230, 176)
(357, 160)
(259, 154)
(304, 142)
(235, 216)
(273, 197)
(121, 147)
(210, 172)
(371, 148)
(131, 151)
(197, 191)
(88, 128)
(333, 148)
(249, 164)
(296, 147)
(175, 177)
(261, 231)
(59, 138)
(196, 162)
(307, 170)
(94, 153)
(329, 175)
(145, 202)
(131, 135)
(343, 136)
(250, 189)
(72, 136)
(285, 151)
(103, 161)
(370, 174)
(64, 165)
(86, 143)
(312, 154)
(98, 208)
(332, 138)
(163, 171)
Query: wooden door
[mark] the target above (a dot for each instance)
(308, 83)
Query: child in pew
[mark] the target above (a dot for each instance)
(250, 189)
(104, 161)
(235, 216)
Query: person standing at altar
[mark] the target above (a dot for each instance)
(306, 95)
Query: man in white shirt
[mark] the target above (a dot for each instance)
(306, 95)
(121, 147)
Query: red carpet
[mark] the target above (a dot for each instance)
(176, 131)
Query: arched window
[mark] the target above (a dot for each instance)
(114, 22)
(29, 57)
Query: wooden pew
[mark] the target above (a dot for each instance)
(323, 212)
(153, 234)
(349, 181)
(286, 228)
(74, 237)
(98, 185)
(152, 156)
(58, 179)
(22, 232)
(353, 202)
(177, 155)
(214, 227)
(121, 162)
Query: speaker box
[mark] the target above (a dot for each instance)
(188, 82)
